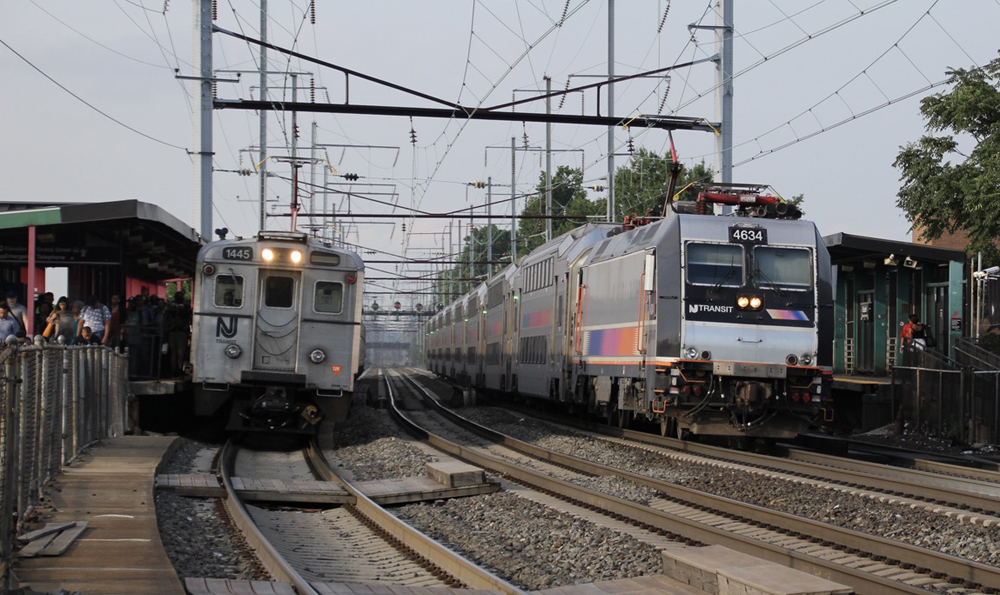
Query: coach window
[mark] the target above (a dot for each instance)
(279, 292)
(228, 291)
(715, 264)
(329, 297)
(783, 268)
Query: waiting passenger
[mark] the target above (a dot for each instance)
(87, 337)
(8, 324)
(96, 315)
(18, 311)
(61, 323)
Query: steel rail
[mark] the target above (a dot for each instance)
(973, 492)
(269, 557)
(958, 568)
(449, 561)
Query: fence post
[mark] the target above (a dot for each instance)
(8, 457)
(962, 422)
(996, 407)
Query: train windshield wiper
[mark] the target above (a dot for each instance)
(770, 284)
(724, 279)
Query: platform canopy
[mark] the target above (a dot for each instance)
(851, 249)
(146, 241)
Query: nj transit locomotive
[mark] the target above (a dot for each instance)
(705, 324)
(277, 328)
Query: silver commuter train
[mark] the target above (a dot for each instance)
(277, 328)
(708, 325)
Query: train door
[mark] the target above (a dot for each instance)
(277, 332)
(866, 332)
(937, 315)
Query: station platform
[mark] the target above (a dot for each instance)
(110, 488)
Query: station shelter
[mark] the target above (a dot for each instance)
(878, 284)
(127, 247)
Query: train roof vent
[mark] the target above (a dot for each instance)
(604, 246)
(283, 236)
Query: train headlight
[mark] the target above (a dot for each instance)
(295, 256)
(233, 351)
(317, 356)
(791, 359)
(806, 359)
(691, 353)
(749, 302)
(267, 254)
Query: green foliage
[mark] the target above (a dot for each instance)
(568, 198)
(641, 185)
(944, 189)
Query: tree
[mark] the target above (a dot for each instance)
(944, 188)
(641, 185)
(568, 198)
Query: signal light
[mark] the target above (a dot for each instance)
(351, 279)
(397, 305)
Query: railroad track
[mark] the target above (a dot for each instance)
(355, 543)
(868, 563)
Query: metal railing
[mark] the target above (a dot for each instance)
(942, 397)
(54, 401)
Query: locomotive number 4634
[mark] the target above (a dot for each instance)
(748, 235)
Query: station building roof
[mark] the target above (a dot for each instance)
(146, 241)
(852, 249)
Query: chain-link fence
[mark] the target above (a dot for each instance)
(54, 400)
(961, 404)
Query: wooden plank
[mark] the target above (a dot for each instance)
(62, 542)
(48, 529)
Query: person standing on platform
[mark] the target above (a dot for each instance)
(8, 325)
(18, 311)
(177, 326)
(115, 322)
(95, 315)
(61, 323)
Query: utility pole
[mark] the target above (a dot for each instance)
(611, 110)
(548, 161)
(513, 200)
(312, 180)
(724, 92)
(262, 161)
(489, 225)
(203, 114)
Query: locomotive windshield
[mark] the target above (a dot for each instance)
(783, 268)
(279, 292)
(228, 291)
(715, 264)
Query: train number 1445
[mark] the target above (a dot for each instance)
(748, 235)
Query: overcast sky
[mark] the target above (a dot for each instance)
(121, 125)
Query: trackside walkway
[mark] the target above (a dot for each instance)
(110, 487)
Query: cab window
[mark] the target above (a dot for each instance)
(279, 292)
(715, 264)
(328, 297)
(783, 268)
(228, 291)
